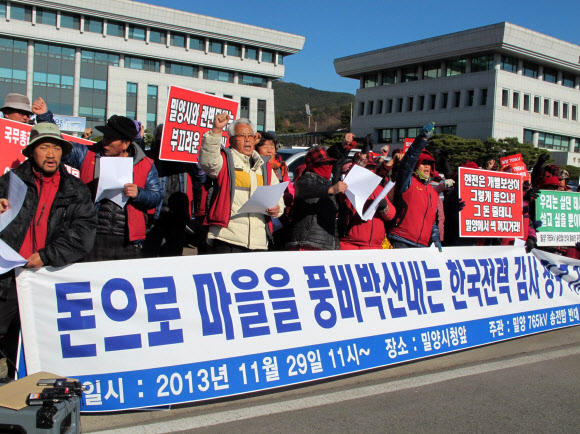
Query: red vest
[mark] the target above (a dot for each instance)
(422, 201)
(136, 218)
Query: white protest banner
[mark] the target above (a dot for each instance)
(150, 332)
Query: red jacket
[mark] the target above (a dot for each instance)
(417, 223)
(135, 217)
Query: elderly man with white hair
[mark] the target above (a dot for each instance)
(236, 173)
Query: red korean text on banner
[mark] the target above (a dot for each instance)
(407, 144)
(510, 159)
(515, 164)
(493, 204)
(14, 138)
(189, 116)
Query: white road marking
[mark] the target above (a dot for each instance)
(227, 416)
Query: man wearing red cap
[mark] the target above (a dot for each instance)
(415, 224)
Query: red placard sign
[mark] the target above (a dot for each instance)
(189, 115)
(493, 204)
(515, 164)
(14, 138)
(407, 144)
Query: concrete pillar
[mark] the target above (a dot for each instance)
(395, 135)
(161, 69)
(520, 66)
(142, 101)
(58, 15)
(535, 139)
(380, 79)
(540, 72)
(30, 71)
(362, 82)
(559, 78)
(200, 73)
(497, 61)
(420, 72)
(236, 77)
(121, 60)
(34, 15)
(572, 144)
(443, 68)
(187, 42)
(225, 48)
(77, 82)
(468, 65)
(399, 75)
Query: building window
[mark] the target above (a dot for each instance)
(369, 80)
(361, 108)
(389, 77)
(432, 70)
(509, 64)
(380, 107)
(482, 63)
(402, 134)
(244, 107)
(483, 97)
(181, 69)
(177, 40)
(553, 141)
(131, 106)
(115, 28)
(536, 104)
(20, 13)
(456, 99)
(568, 80)
(196, 43)
(456, 67)
(546, 106)
(527, 102)
(432, 99)
(389, 106)
(93, 85)
(550, 75)
(151, 107)
(516, 100)
(216, 46)
(409, 74)
(218, 75)
(421, 102)
(449, 129)
(280, 59)
(253, 80)
(530, 69)
(46, 16)
(565, 110)
(528, 136)
(229, 96)
(14, 55)
(137, 32)
(505, 96)
(556, 111)
(158, 37)
(2, 9)
(574, 113)
(470, 97)
(93, 25)
(251, 53)
(410, 102)
(399, 105)
(261, 122)
(445, 100)
(385, 136)
(234, 50)
(143, 64)
(267, 56)
(371, 106)
(53, 76)
(69, 21)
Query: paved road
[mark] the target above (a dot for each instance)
(525, 385)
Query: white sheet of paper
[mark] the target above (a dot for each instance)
(361, 183)
(115, 172)
(16, 194)
(374, 205)
(263, 198)
(519, 242)
(9, 259)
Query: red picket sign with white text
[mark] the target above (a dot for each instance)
(189, 116)
(493, 204)
(515, 164)
(14, 138)
(407, 144)
(510, 159)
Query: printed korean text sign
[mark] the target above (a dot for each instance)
(493, 204)
(515, 164)
(189, 116)
(407, 144)
(150, 332)
(559, 212)
(14, 138)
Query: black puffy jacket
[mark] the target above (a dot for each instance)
(71, 224)
(313, 215)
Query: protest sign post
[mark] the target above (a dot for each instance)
(559, 212)
(493, 204)
(189, 116)
(14, 138)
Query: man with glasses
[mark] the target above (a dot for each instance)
(236, 172)
(17, 108)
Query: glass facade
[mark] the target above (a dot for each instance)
(216, 47)
(432, 70)
(70, 21)
(530, 69)
(196, 43)
(385, 136)
(181, 69)
(115, 28)
(550, 75)
(253, 80)
(131, 106)
(369, 80)
(53, 77)
(46, 16)
(14, 54)
(409, 74)
(178, 40)
(389, 77)
(234, 50)
(158, 37)
(456, 67)
(218, 75)
(244, 107)
(482, 63)
(568, 80)
(3, 9)
(137, 32)
(151, 107)
(261, 122)
(553, 141)
(267, 56)
(509, 64)
(93, 25)
(251, 53)
(142, 64)
(93, 85)
(20, 13)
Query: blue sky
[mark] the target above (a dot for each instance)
(338, 28)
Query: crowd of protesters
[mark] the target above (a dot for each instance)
(174, 205)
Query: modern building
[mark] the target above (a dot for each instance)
(495, 81)
(105, 57)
